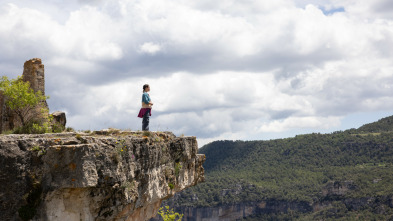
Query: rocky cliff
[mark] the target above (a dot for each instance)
(269, 209)
(104, 175)
(335, 199)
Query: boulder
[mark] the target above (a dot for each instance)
(59, 117)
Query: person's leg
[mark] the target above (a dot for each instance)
(145, 121)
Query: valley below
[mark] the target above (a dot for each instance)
(344, 175)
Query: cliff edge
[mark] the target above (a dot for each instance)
(104, 175)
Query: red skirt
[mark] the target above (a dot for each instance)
(142, 112)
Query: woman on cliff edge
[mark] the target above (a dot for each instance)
(145, 111)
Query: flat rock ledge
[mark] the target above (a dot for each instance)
(102, 175)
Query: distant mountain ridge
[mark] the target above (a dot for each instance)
(382, 125)
(338, 176)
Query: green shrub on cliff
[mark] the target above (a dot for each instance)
(169, 215)
(21, 98)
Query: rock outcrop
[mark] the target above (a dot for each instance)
(34, 73)
(109, 175)
(334, 195)
(59, 117)
(239, 211)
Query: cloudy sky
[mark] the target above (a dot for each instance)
(238, 70)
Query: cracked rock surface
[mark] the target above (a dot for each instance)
(104, 175)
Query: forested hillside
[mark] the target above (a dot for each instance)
(342, 175)
(383, 125)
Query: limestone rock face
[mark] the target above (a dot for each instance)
(239, 211)
(70, 176)
(33, 72)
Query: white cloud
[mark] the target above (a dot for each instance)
(300, 122)
(87, 34)
(150, 48)
(368, 10)
(221, 70)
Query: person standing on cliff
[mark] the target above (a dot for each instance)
(145, 111)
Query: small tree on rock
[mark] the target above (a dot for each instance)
(169, 215)
(21, 98)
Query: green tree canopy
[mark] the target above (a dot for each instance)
(20, 97)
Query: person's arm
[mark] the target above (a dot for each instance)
(150, 103)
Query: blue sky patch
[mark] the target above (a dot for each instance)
(332, 11)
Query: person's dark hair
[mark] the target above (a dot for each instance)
(145, 86)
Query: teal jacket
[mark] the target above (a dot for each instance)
(145, 98)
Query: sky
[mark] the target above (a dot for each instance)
(218, 70)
